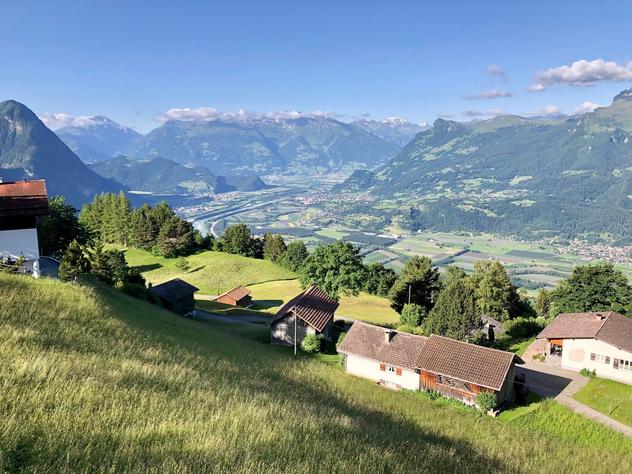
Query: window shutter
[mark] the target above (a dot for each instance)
(398, 371)
(615, 364)
(607, 359)
(592, 356)
(383, 367)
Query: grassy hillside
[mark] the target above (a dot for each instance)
(211, 272)
(609, 397)
(93, 380)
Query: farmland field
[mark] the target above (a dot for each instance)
(96, 381)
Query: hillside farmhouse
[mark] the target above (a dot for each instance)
(239, 296)
(176, 295)
(310, 312)
(600, 341)
(22, 204)
(455, 369)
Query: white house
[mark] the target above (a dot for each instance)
(22, 203)
(453, 368)
(600, 341)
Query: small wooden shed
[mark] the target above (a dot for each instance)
(238, 296)
(176, 295)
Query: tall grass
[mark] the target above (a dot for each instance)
(92, 380)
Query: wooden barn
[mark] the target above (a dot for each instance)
(310, 312)
(176, 295)
(239, 296)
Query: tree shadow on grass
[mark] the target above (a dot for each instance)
(266, 304)
(147, 268)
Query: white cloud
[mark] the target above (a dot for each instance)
(585, 73)
(537, 87)
(494, 112)
(472, 113)
(496, 70)
(545, 111)
(207, 114)
(61, 120)
(586, 107)
(486, 95)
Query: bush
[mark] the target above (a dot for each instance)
(411, 315)
(588, 373)
(312, 342)
(523, 328)
(182, 264)
(486, 401)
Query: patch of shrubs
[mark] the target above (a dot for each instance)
(312, 343)
(588, 373)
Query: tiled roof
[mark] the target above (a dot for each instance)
(467, 362)
(23, 198)
(610, 327)
(366, 340)
(174, 289)
(237, 293)
(313, 306)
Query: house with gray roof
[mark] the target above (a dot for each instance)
(453, 368)
(599, 341)
(176, 295)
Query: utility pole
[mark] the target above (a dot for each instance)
(409, 290)
(295, 318)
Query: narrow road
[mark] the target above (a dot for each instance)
(561, 385)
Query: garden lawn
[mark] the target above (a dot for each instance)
(93, 380)
(608, 397)
(211, 272)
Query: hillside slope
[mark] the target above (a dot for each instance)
(28, 149)
(95, 381)
(570, 176)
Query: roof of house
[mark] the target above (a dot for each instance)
(313, 306)
(237, 293)
(460, 360)
(23, 198)
(467, 362)
(173, 290)
(610, 327)
(369, 341)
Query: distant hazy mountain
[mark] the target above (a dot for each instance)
(569, 176)
(28, 149)
(395, 130)
(265, 145)
(161, 176)
(98, 139)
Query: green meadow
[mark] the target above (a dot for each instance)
(96, 381)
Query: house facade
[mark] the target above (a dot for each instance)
(453, 368)
(310, 312)
(22, 204)
(599, 341)
(239, 296)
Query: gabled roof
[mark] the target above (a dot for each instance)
(467, 362)
(610, 327)
(237, 293)
(173, 290)
(313, 306)
(369, 341)
(23, 198)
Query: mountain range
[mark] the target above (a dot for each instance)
(510, 174)
(161, 176)
(395, 130)
(28, 149)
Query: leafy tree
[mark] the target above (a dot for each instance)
(295, 256)
(336, 268)
(175, 237)
(411, 315)
(451, 274)
(108, 217)
(238, 240)
(118, 265)
(59, 228)
(100, 264)
(496, 296)
(423, 281)
(596, 287)
(273, 247)
(144, 228)
(543, 303)
(455, 314)
(74, 262)
(379, 279)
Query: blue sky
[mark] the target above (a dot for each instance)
(132, 61)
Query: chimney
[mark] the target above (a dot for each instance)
(388, 335)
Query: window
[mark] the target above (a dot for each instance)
(600, 358)
(623, 364)
(391, 369)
